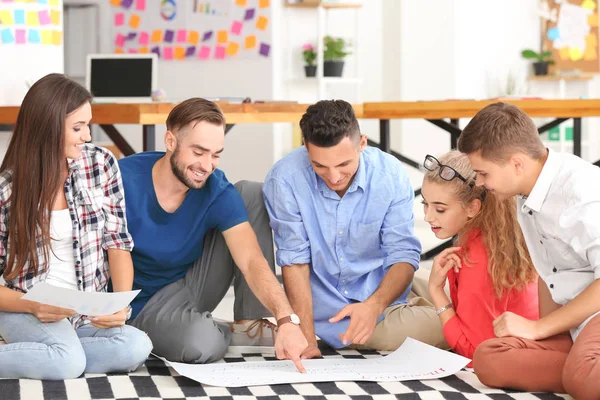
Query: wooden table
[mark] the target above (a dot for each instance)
(150, 114)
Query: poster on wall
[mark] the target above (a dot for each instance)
(32, 22)
(193, 29)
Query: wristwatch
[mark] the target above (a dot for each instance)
(293, 318)
(129, 312)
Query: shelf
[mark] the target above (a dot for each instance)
(325, 79)
(553, 78)
(324, 5)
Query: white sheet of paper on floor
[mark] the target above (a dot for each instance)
(414, 360)
(84, 303)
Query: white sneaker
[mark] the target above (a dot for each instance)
(259, 332)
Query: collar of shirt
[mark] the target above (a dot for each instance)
(542, 186)
(359, 181)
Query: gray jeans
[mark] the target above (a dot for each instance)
(178, 317)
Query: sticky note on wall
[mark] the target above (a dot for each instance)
(140, 5)
(222, 37)
(144, 50)
(241, 3)
(264, 50)
(193, 37)
(144, 38)
(204, 53)
(6, 17)
(250, 42)
(119, 40)
(264, 3)
(168, 53)
(46, 36)
(220, 52)
(134, 21)
(236, 27)
(179, 53)
(7, 36)
(33, 36)
(32, 18)
(262, 22)
(169, 34)
(119, 19)
(232, 49)
(156, 36)
(20, 17)
(55, 17)
(181, 35)
(20, 36)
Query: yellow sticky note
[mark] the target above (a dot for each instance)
(46, 36)
(590, 54)
(6, 17)
(263, 3)
(193, 37)
(262, 22)
(144, 50)
(31, 18)
(591, 40)
(55, 17)
(53, 3)
(179, 52)
(232, 49)
(250, 42)
(593, 20)
(156, 36)
(134, 21)
(575, 54)
(563, 53)
(589, 4)
(222, 37)
(57, 37)
(241, 3)
(119, 51)
(116, 3)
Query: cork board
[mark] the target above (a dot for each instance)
(570, 31)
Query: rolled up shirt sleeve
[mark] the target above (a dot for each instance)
(291, 239)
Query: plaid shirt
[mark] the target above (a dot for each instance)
(94, 193)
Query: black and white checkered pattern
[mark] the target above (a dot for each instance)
(156, 381)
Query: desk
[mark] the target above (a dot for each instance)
(150, 114)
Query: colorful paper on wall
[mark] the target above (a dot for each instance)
(250, 42)
(156, 36)
(20, 36)
(140, 5)
(265, 49)
(204, 53)
(7, 36)
(169, 35)
(55, 17)
(262, 22)
(249, 14)
(232, 49)
(134, 21)
(264, 3)
(193, 37)
(222, 37)
(168, 53)
(236, 27)
(207, 36)
(179, 53)
(6, 17)
(20, 17)
(33, 36)
(144, 38)
(32, 18)
(181, 36)
(220, 52)
(119, 19)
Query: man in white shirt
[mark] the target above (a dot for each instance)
(559, 213)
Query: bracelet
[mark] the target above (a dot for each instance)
(446, 307)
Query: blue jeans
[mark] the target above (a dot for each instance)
(55, 350)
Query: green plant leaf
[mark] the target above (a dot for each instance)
(530, 54)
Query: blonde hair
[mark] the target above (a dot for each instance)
(509, 264)
(499, 130)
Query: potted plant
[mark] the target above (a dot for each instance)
(333, 56)
(540, 67)
(309, 55)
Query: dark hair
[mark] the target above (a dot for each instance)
(34, 158)
(327, 122)
(194, 110)
(499, 130)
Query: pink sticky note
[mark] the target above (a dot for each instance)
(181, 35)
(236, 27)
(20, 36)
(168, 53)
(220, 52)
(119, 19)
(44, 17)
(144, 38)
(120, 40)
(204, 53)
(140, 5)
(133, 51)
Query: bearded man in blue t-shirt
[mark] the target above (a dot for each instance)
(194, 232)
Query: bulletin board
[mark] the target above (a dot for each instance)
(570, 31)
(31, 22)
(193, 29)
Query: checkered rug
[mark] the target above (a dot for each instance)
(156, 381)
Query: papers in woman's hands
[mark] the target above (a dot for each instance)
(414, 360)
(84, 303)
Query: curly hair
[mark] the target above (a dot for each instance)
(509, 263)
(327, 122)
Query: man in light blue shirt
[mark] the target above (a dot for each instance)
(342, 215)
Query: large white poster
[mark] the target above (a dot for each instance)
(193, 29)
